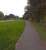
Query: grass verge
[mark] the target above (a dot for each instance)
(41, 29)
(9, 33)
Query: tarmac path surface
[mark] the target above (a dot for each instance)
(29, 39)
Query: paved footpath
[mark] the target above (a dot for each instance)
(29, 39)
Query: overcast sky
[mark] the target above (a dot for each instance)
(13, 6)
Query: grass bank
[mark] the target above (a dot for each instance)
(41, 29)
(9, 33)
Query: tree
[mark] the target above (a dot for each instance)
(10, 16)
(1, 15)
(28, 12)
(36, 9)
